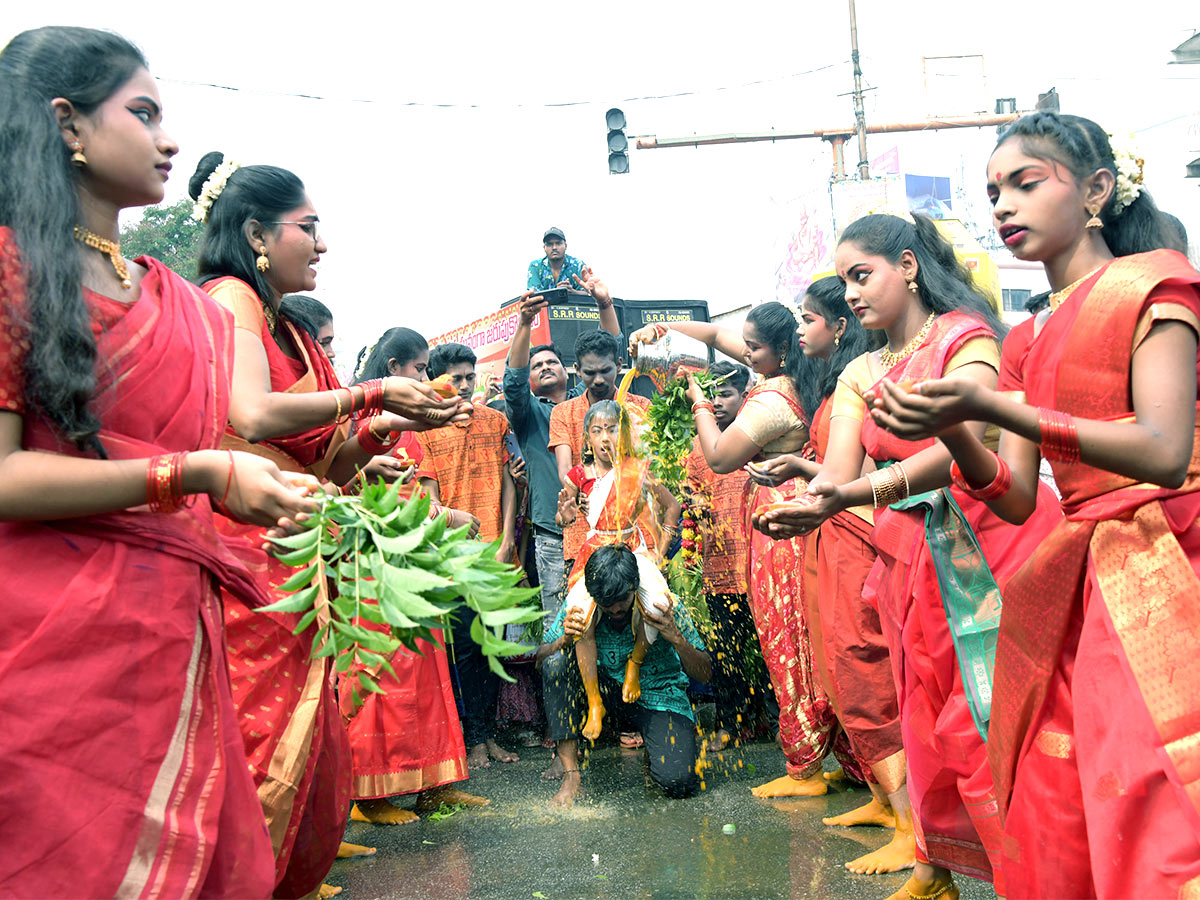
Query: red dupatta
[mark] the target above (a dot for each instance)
(1154, 604)
(314, 448)
(163, 387)
(950, 331)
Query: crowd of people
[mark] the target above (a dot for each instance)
(1005, 655)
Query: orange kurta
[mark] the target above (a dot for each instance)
(725, 544)
(467, 461)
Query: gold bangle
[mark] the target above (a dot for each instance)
(337, 417)
(874, 489)
(902, 488)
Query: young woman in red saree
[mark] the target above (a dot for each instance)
(261, 242)
(851, 655)
(942, 555)
(772, 421)
(1096, 718)
(408, 740)
(126, 775)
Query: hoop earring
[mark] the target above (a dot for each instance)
(1094, 221)
(77, 157)
(262, 263)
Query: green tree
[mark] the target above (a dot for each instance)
(169, 234)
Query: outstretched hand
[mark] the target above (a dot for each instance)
(421, 406)
(594, 286)
(774, 471)
(927, 408)
(804, 514)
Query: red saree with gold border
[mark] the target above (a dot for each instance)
(851, 653)
(1095, 735)
(954, 805)
(778, 582)
(294, 738)
(123, 770)
(410, 738)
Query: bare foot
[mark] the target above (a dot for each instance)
(572, 783)
(595, 722)
(478, 758)
(631, 690)
(874, 813)
(350, 851)
(381, 812)
(787, 786)
(915, 888)
(498, 753)
(555, 771)
(899, 853)
(838, 774)
(328, 890)
(432, 799)
(719, 741)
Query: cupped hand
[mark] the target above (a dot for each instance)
(927, 409)
(421, 405)
(775, 471)
(386, 467)
(801, 516)
(260, 494)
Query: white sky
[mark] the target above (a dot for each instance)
(432, 212)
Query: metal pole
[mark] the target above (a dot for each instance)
(860, 118)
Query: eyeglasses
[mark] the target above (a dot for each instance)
(309, 228)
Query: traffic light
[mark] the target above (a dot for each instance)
(618, 144)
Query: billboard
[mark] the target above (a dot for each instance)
(490, 336)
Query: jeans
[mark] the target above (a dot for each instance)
(670, 738)
(478, 685)
(551, 569)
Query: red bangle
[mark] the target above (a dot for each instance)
(998, 487)
(1060, 440)
(164, 483)
(372, 404)
(372, 443)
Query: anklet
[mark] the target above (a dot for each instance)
(945, 887)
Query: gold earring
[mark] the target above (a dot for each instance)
(1094, 221)
(77, 156)
(912, 286)
(262, 263)
(837, 340)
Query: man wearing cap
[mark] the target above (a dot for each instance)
(555, 269)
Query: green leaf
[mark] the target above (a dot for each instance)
(369, 684)
(298, 579)
(297, 602)
(495, 666)
(305, 620)
(306, 538)
(509, 616)
(399, 544)
(298, 557)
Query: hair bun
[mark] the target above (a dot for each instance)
(204, 169)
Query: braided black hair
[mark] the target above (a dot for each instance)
(1082, 147)
(944, 282)
(776, 325)
(827, 296)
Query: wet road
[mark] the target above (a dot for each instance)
(625, 840)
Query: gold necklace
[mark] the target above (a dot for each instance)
(891, 360)
(272, 318)
(1057, 298)
(110, 248)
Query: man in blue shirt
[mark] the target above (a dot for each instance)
(535, 381)
(555, 269)
(663, 712)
